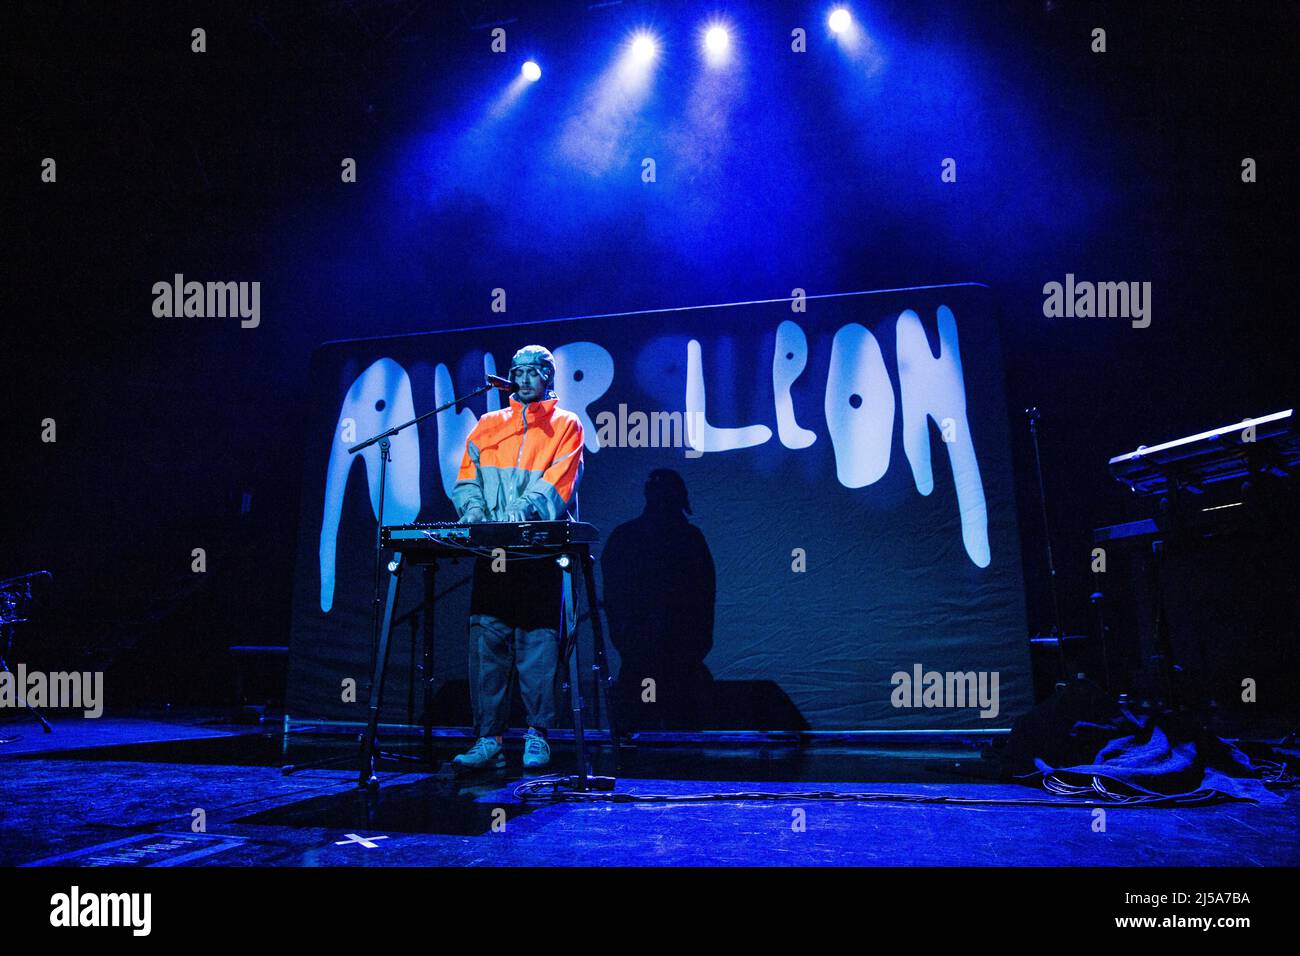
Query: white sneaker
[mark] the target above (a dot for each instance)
(537, 752)
(486, 752)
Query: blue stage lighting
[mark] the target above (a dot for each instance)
(840, 20)
(644, 47)
(532, 72)
(716, 41)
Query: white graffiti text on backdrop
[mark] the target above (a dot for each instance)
(859, 409)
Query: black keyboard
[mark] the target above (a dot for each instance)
(452, 536)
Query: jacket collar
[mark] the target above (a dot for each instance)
(537, 410)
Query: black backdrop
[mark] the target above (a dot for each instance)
(891, 580)
(175, 434)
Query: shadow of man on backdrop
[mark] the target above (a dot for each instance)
(660, 587)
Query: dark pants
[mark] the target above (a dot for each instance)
(514, 632)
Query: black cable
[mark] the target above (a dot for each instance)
(552, 790)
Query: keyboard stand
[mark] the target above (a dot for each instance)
(370, 753)
(567, 557)
(583, 779)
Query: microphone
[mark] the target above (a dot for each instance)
(505, 385)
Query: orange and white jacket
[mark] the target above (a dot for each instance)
(522, 463)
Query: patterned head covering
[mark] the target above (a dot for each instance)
(535, 356)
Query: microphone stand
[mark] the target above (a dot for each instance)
(15, 595)
(1034, 415)
(384, 441)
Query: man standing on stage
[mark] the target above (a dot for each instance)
(522, 463)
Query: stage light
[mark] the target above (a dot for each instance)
(716, 41)
(840, 20)
(593, 136)
(644, 47)
(532, 72)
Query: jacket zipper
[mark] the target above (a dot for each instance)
(523, 412)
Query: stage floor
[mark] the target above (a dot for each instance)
(130, 792)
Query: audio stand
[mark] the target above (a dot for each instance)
(604, 683)
(583, 780)
(1058, 631)
(384, 616)
(382, 626)
(22, 701)
(383, 440)
(15, 594)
